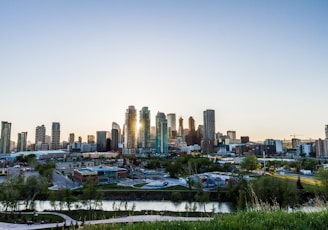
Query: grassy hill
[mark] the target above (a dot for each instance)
(251, 220)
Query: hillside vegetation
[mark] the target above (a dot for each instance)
(251, 220)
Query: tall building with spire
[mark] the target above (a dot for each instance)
(144, 128)
(130, 137)
(180, 131)
(55, 136)
(22, 142)
(161, 134)
(5, 137)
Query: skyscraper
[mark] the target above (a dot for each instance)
(171, 124)
(191, 137)
(326, 131)
(209, 130)
(144, 128)
(22, 141)
(116, 136)
(91, 139)
(161, 134)
(209, 125)
(191, 122)
(55, 136)
(130, 129)
(71, 138)
(180, 132)
(40, 136)
(231, 134)
(102, 141)
(5, 137)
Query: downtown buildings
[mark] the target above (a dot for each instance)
(167, 135)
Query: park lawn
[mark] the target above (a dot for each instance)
(310, 184)
(139, 185)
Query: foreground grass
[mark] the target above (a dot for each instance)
(242, 220)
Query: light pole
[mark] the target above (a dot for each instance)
(263, 162)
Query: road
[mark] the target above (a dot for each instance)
(61, 181)
(128, 219)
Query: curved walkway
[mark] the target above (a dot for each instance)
(128, 219)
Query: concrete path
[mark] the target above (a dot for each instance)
(128, 219)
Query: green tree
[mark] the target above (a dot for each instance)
(31, 187)
(201, 196)
(308, 164)
(91, 197)
(322, 176)
(273, 190)
(69, 199)
(46, 169)
(250, 162)
(10, 192)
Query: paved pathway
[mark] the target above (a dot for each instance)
(127, 219)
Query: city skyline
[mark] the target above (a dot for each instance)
(260, 65)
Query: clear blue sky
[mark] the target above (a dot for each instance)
(261, 65)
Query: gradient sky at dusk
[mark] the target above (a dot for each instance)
(261, 65)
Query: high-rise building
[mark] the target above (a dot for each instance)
(22, 142)
(209, 125)
(153, 137)
(5, 137)
(191, 137)
(161, 134)
(91, 139)
(40, 135)
(144, 128)
(130, 139)
(191, 123)
(171, 124)
(244, 139)
(180, 132)
(55, 136)
(116, 136)
(71, 138)
(102, 141)
(231, 134)
(326, 131)
(209, 131)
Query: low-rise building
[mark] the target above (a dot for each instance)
(103, 174)
(84, 175)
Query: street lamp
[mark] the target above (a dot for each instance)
(263, 162)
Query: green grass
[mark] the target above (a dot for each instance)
(279, 220)
(311, 185)
(118, 187)
(140, 185)
(114, 187)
